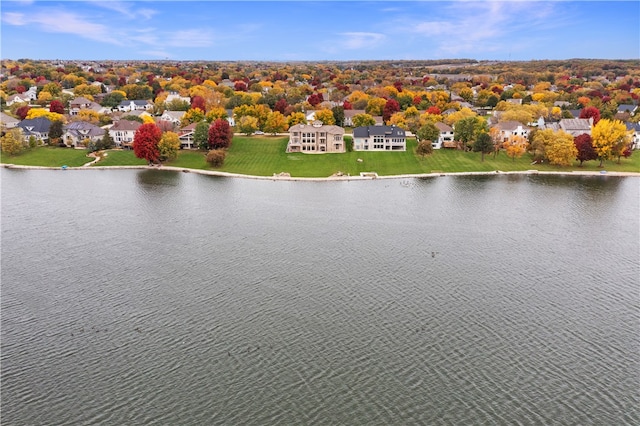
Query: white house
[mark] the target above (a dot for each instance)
(379, 138)
(135, 105)
(446, 135)
(123, 131)
(77, 132)
(509, 129)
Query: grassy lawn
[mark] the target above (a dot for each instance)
(47, 156)
(265, 155)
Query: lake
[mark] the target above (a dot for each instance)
(153, 297)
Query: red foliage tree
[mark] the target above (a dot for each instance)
(584, 145)
(416, 100)
(56, 106)
(347, 105)
(145, 142)
(434, 110)
(281, 105)
(21, 89)
(315, 99)
(240, 86)
(590, 112)
(391, 107)
(199, 102)
(23, 111)
(220, 134)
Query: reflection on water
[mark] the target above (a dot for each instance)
(154, 297)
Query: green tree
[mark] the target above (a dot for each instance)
(201, 135)
(428, 132)
(483, 144)
(466, 129)
(169, 146)
(338, 115)
(55, 132)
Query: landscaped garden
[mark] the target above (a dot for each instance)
(265, 155)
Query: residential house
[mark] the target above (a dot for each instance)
(36, 127)
(379, 138)
(446, 136)
(634, 129)
(349, 113)
(18, 98)
(316, 138)
(627, 108)
(76, 132)
(230, 119)
(75, 105)
(576, 126)
(123, 131)
(509, 129)
(185, 135)
(7, 121)
(174, 117)
(135, 105)
(175, 96)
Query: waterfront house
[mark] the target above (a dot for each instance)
(36, 127)
(379, 138)
(508, 129)
(316, 138)
(77, 132)
(185, 135)
(446, 135)
(123, 131)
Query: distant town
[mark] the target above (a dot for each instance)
(556, 111)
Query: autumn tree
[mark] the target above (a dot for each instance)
(247, 124)
(168, 146)
(12, 143)
(296, 118)
(561, 150)
(515, 147)
(22, 111)
(215, 113)
(276, 123)
(198, 102)
(585, 149)
(326, 116)
(466, 129)
(483, 144)
(591, 112)
(145, 143)
(391, 107)
(424, 148)
(220, 134)
(56, 106)
(375, 106)
(606, 136)
(216, 157)
(360, 120)
(193, 115)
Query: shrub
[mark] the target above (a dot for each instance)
(215, 157)
(424, 148)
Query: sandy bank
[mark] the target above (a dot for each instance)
(286, 177)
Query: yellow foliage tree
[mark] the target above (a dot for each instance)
(276, 123)
(147, 118)
(561, 150)
(88, 115)
(515, 147)
(459, 115)
(169, 146)
(326, 116)
(215, 113)
(43, 112)
(609, 138)
(12, 143)
(398, 119)
(296, 118)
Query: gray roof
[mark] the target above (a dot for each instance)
(84, 129)
(389, 131)
(35, 125)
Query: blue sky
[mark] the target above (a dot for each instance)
(319, 30)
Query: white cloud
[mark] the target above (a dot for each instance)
(190, 38)
(125, 8)
(361, 40)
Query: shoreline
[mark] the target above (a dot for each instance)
(368, 176)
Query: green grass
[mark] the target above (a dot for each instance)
(46, 156)
(265, 155)
(124, 157)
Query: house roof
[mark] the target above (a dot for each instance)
(126, 125)
(510, 125)
(627, 107)
(79, 101)
(318, 126)
(174, 115)
(135, 102)
(84, 129)
(575, 124)
(35, 125)
(633, 126)
(389, 131)
(7, 119)
(443, 127)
